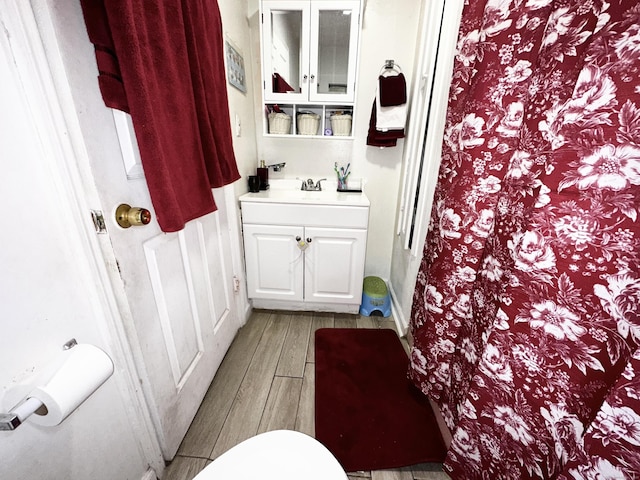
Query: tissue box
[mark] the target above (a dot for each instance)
(308, 124)
(279, 123)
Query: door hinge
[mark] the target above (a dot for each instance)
(98, 221)
(236, 284)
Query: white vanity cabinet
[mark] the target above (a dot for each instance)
(305, 256)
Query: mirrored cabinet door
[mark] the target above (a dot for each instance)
(333, 54)
(309, 50)
(285, 50)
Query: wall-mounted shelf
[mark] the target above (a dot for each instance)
(309, 120)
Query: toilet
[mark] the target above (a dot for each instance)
(275, 455)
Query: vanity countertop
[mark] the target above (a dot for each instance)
(288, 191)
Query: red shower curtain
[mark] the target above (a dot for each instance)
(525, 318)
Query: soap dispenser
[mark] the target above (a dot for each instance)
(263, 173)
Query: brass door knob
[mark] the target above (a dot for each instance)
(127, 216)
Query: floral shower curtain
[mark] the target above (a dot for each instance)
(526, 320)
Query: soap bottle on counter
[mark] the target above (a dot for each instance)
(263, 173)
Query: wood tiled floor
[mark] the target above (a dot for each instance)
(266, 382)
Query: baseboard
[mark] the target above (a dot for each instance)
(266, 304)
(402, 324)
(248, 309)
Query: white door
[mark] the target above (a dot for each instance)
(175, 290)
(275, 263)
(52, 288)
(334, 262)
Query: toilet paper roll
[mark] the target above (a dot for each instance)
(82, 369)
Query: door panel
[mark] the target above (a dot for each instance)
(192, 297)
(333, 54)
(275, 263)
(171, 288)
(215, 247)
(285, 49)
(334, 264)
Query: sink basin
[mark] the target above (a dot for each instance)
(288, 191)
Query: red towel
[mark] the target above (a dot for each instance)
(280, 85)
(163, 62)
(393, 90)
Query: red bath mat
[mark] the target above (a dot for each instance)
(368, 414)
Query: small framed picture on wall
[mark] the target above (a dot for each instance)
(235, 67)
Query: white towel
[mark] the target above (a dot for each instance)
(390, 118)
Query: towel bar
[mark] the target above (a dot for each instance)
(391, 65)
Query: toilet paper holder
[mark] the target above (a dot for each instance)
(19, 413)
(31, 405)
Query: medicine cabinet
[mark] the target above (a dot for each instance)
(309, 56)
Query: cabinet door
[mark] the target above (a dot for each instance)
(334, 49)
(275, 263)
(285, 51)
(334, 265)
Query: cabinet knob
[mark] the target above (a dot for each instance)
(304, 77)
(309, 239)
(298, 238)
(313, 77)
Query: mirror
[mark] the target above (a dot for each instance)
(331, 51)
(334, 35)
(286, 30)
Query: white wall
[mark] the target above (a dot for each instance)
(235, 23)
(388, 32)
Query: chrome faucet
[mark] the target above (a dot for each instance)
(310, 186)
